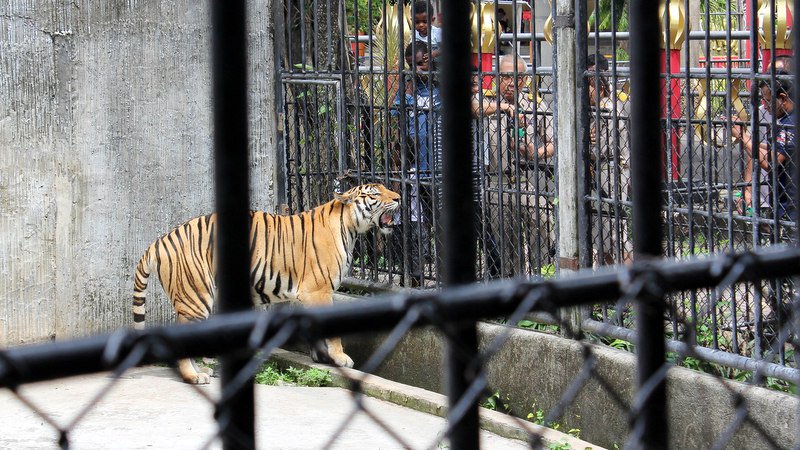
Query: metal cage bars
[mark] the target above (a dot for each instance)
(250, 332)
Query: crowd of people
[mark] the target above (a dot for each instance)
(514, 151)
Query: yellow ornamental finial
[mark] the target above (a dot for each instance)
(483, 28)
(675, 34)
(547, 29)
(778, 21)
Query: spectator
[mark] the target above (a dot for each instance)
(424, 30)
(519, 138)
(421, 103)
(775, 154)
(784, 63)
(609, 165)
(483, 107)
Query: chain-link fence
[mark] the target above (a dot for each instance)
(717, 82)
(368, 118)
(258, 334)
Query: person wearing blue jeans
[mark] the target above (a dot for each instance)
(420, 102)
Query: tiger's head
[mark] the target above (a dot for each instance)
(373, 206)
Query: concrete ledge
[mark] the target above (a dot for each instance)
(426, 401)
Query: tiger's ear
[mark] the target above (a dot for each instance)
(345, 198)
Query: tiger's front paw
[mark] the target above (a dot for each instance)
(342, 360)
(200, 378)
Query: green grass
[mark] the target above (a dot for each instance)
(271, 375)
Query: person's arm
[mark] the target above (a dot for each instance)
(545, 133)
(747, 191)
(764, 157)
(489, 106)
(527, 145)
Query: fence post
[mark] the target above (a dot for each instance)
(650, 423)
(460, 238)
(568, 154)
(229, 67)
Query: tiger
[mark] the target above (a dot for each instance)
(300, 257)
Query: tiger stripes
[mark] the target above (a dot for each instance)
(300, 257)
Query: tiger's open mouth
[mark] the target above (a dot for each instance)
(386, 221)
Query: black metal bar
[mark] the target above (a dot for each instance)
(646, 179)
(582, 129)
(796, 155)
(711, 355)
(227, 333)
(459, 238)
(229, 65)
(280, 49)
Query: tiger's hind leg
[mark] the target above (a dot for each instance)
(333, 353)
(187, 368)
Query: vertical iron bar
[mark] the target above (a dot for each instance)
(279, 50)
(794, 312)
(229, 65)
(646, 181)
(796, 155)
(459, 240)
(582, 129)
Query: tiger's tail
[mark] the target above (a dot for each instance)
(143, 270)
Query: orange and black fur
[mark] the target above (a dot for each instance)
(301, 257)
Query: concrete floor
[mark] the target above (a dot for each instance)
(150, 408)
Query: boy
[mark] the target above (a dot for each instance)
(424, 30)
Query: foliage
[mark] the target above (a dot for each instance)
(367, 18)
(621, 344)
(531, 325)
(495, 401)
(602, 16)
(717, 17)
(539, 418)
(622, 54)
(502, 403)
(271, 375)
(548, 270)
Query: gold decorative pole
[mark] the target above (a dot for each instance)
(672, 39)
(484, 39)
(779, 22)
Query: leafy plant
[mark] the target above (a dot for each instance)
(531, 325)
(271, 375)
(367, 17)
(496, 401)
(563, 445)
(621, 344)
(603, 14)
(538, 417)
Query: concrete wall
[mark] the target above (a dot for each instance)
(535, 369)
(105, 131)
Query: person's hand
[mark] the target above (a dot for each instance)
(744, 202)
(593, 135)
(508, 108)
(737, 130)
(748, 197)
